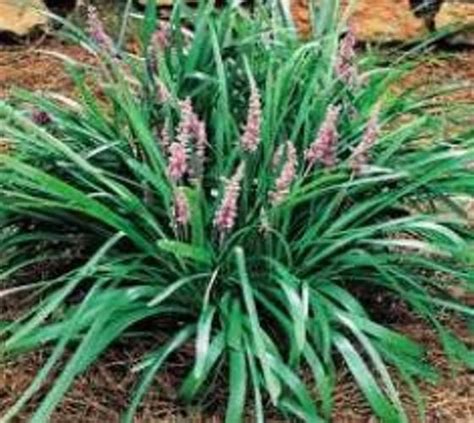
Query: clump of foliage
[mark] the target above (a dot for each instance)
(234, 187)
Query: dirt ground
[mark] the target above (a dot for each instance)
(34, 69)
(102, 393)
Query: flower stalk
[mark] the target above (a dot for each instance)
(361, 155)
(345, 67)
(178, 161)
(181, 210)
(287, 175)
(251, 136)
(97, 32)
(226, 214)
(324, 148)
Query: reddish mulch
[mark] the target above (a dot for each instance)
(101, 394)
(447, 68)
(33, 69)
(451, 400)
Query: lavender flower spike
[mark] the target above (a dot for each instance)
(40, 117)
(186, 122)
(324, 147)
(177, 163)
(97, 32)
(160, 39)
(361, 154)
(201, 145)
(345, 67)
(224, 219)
(191, 128)
(251, 137)
(181, 208)
(287, 175)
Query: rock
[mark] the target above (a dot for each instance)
(380, 20)
(460, 14)
(393, 20)
(386, 21)
(20, 17)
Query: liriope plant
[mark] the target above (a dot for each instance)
(232, 187)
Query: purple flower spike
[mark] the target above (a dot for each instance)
(345, 67)
(251, 136)
(187, 122)
(361, 155)
(324, 147)
(287, 175)
(191, 128)
(40, 117)
(226, 215)
(97, 31)
(181, 208)
(177, 164)
(201, 145)
(161, 37)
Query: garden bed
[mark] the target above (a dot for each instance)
(102, 393)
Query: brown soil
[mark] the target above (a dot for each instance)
(102, 393)
(453, 68)
(451, 400)
(34, 69)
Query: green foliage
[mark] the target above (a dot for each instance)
(277, 291)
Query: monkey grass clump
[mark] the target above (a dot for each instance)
(235, 189)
